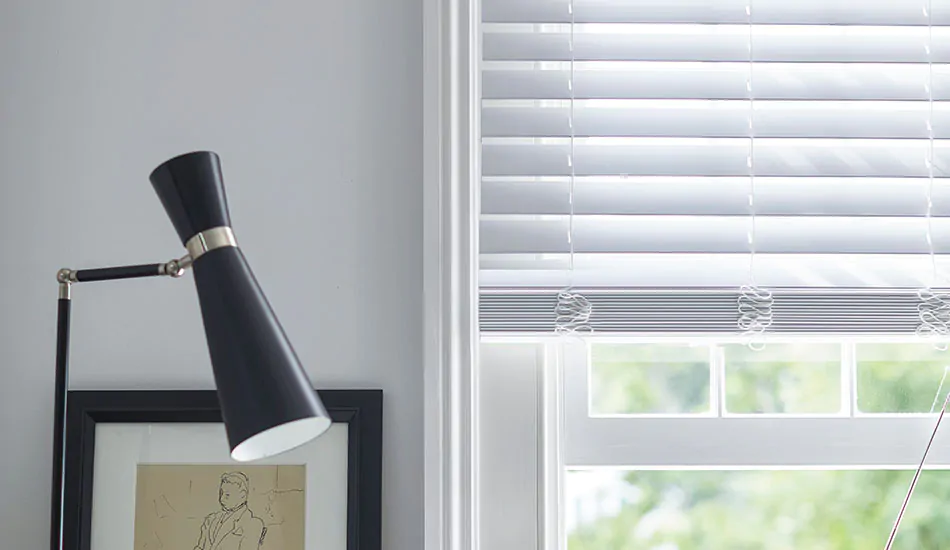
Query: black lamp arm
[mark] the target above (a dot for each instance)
(172, 268)
(66, 278)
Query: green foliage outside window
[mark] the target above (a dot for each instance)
(765, 510)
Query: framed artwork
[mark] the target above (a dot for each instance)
(151, 470)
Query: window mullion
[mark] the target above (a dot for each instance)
(849, 384)
(717, 382)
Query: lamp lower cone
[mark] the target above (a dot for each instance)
(267, 401)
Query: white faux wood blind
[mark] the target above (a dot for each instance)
(660, 116)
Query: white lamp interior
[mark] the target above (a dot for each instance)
(280, 439)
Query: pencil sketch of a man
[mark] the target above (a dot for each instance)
(234, 526)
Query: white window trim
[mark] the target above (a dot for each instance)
(552, 461)
(451, 56)
(738, 441)
(864, 441)
(569, 438)
(753, 441)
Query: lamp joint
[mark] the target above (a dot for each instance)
(176, 268)
(65, 277)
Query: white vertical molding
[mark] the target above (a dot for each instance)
(450, 270)
(551, 460)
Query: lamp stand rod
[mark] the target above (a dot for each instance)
(66, 277)
(59, 416)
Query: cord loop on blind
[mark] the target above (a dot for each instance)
(934, 308)
(754, 303)
(573, 311)
(573, 314)
(755, 314)
(934, 312)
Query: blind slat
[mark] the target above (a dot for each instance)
(715, 118)
(694, 80)
(708, 196)
(713, 157)
(709, 270)
(810, 12)
(712, 234)
(771, 43)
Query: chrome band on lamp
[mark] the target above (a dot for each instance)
(208, 240)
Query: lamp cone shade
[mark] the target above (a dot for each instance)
(267, 401)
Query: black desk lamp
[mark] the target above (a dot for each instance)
(267, 402)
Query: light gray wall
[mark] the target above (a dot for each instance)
(316, 110)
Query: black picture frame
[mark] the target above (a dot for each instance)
(361, 410)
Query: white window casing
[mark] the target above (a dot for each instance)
(536, 424)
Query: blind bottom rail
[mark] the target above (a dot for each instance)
(697, 311)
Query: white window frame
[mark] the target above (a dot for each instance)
(848, 439)
(569, 437)
(451, 56)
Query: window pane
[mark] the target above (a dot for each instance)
(783, 378)
(649, 379)
(753, 510)
(896, 378)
